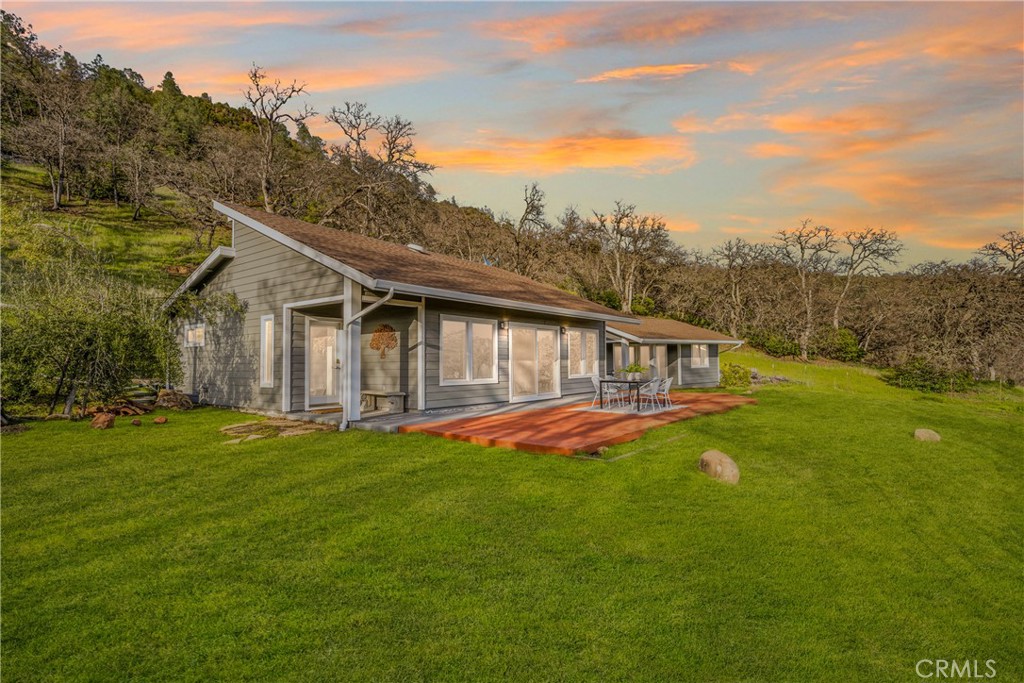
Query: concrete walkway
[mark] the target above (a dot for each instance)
(574, 428)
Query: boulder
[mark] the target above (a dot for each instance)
(926, 435)
(720, 466)
(160, 420)
(136, 422)
(102, 421)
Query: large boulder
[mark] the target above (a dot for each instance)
(926, 435)
(102, 421)
(720, 466)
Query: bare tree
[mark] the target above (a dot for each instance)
(739, 258)
(1010, 249)
(525, 234)
(630, 241)
(870, 248)
(267, 101)
(809, 250)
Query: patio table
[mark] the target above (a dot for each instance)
(631, 384)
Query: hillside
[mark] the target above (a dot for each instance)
(156, 250)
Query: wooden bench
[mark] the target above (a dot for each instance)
(383, 401)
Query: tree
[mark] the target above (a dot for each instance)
(738, 258)
(379, 183)
(632, 243)
(870, 248)
(1007, 255)
(809, 250)
(267, 101)
(526, 234)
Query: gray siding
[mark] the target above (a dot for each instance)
(438, 396)
(264, 275)
(399, 371)
(698, 377)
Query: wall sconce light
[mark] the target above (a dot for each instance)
(562, 329)
(502, 324)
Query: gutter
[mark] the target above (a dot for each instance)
(344, 326)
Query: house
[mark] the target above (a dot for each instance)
(338, 319)
(686, 353)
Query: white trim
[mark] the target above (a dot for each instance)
(558, 363)
(421, 359)
(645, 340)
(209, 263)
(263, 349)
(452, 295)
(469, 322)
(568, 345)
(286, 343)
(339, 339)
(679, 365)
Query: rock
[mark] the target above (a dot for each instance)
(926, 435)
(160, 420)
(253, 437)
(102, 421)
(720, 466)
(136, 422)
(233, 441)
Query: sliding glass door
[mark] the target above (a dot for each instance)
(534, 355)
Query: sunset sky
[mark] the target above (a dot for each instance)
(727, 119)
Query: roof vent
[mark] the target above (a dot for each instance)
(417, 248)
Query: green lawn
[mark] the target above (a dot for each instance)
(848, 551)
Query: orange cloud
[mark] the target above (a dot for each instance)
(768, 150)
(658, 72)
(318, 79)
(681, 224)
(146, 27)
(611, 150)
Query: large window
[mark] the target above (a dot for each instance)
(469, 351)
(699, 356)
(583, 356)
(195, 335)
(267, 351)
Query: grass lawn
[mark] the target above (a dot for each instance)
(847, 552)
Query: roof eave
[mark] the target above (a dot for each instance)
(215, 258)
(654, 340)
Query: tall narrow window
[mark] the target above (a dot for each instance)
(469, 351)
(583, 356)
(699, 356)
(267, 351)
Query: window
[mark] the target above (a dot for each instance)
(661, 360)
(699, 356)
(469, 351)
(583, 356)
(266, 351)
(195, 335)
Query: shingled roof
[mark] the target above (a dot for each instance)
(655, 330)
(386, 265)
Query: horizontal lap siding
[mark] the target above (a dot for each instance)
(438, 396)
(264, 275)
(699, 377)
(398, 371)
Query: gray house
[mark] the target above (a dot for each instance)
(687, 353)
(338, 320)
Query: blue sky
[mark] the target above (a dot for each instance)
(728, 119)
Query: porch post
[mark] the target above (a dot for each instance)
(353, 334)
(624, 350)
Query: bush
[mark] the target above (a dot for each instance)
(734, 376)
(841, 345)
(921, 375)
(774, 344)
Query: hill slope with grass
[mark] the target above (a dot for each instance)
(156, 251)
(848, 551)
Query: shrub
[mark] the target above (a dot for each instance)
(734, 376)
(841, 345)
(921, 375)
(775, 344)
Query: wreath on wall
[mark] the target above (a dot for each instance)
(384, 340)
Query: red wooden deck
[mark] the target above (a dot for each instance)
(567, 430)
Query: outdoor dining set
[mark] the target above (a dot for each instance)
(627, 392)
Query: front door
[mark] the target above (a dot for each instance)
(534, 355)
(324, 354)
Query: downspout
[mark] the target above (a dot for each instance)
(344, 327)
(733, 346)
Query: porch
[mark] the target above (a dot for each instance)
(561, 427)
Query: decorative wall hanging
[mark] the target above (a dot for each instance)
(384, 340)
